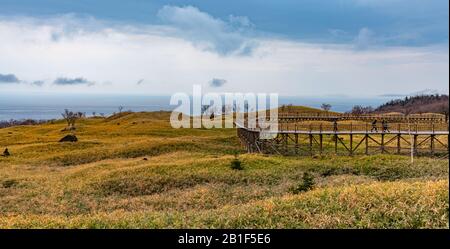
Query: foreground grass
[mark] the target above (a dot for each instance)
(134, 171)
(387, 205)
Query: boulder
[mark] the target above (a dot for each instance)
(69, 138)
(6, 152)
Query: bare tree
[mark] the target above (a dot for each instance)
(326, 107)
(407, 110)
(71, 118)
(120, 109)
(359, 110)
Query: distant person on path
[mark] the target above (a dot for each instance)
(385, 126)
(374, 126)
(335, 126)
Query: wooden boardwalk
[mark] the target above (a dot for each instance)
(311, 140)
(413, 118)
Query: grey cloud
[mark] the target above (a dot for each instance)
(9, 78)
(37, 83)
(72, 81)
(210, 33)
(140, 81)
(217, 82)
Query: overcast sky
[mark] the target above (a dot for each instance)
(340, 47)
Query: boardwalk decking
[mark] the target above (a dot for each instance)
(430, 139)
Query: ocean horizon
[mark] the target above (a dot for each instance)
(46, 107)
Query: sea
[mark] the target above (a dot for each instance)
(50, 106)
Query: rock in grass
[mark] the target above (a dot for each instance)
(69, 138)
(6, 152)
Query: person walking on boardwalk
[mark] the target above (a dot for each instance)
(374, 126)
(385, 126)
(335, 127)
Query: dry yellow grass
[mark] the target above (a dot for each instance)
(103, 181)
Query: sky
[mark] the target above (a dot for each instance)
(294, 48)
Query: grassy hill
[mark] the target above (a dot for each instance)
(301, 109)
(133, 170)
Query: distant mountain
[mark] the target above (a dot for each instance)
(424, 103)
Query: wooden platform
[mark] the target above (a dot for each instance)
(307, 141)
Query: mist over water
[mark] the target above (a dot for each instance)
(42, 107)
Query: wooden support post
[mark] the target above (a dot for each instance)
(296, 143)
(398, 143)
(285, 140)
(367, 143)
(262, 144)
(382, 142)
(252, 142)
(310, 144)
(415, 143)
(351, 144)
(432, 144)
(335, 143)
(320, 143)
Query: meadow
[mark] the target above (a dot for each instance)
(132, 170)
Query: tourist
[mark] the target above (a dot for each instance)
(374, 126)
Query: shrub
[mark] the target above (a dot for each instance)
(236, 164)
(306, 184)
(9, 183)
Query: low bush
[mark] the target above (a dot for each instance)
(306, 184)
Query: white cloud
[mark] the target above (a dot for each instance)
(118, 56)
(207, 32)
